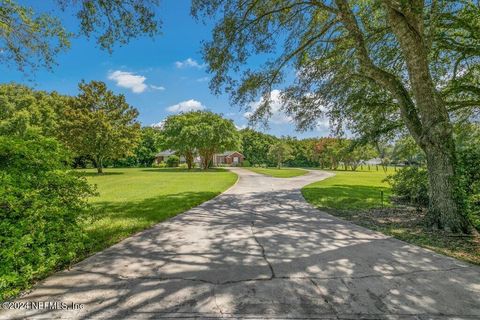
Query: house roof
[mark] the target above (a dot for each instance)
(228, 153)
(165, 153)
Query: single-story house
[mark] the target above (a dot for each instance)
(164, 155)
(233, 158)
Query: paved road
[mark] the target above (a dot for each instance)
(260, 251)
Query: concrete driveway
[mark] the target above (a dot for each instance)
(260, 251)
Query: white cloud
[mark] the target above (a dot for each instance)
(278, 116)
(129, 80)
(188, 63)
(160, 88)
(204, 79)
(158, 125)
(185, 106)
(240, 127)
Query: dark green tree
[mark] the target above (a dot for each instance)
(255, 146)
(280, 152)
(200, 131)
(100, 124)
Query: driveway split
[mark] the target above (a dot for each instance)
(260, 251)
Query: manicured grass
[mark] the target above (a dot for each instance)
(134, 199)
(355, 196)
(280, 173)
(350, 190)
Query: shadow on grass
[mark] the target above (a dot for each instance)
(182, 170)
(114, 221)
(346, 197)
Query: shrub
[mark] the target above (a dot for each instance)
(173, 161)
(469, 164)
(410, 184)
(159, 165)
(183, 166)
(42, 206)
(246, 163)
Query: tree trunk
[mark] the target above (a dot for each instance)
(436, 137)
(99, 163)
(445, 207)
(189, 160)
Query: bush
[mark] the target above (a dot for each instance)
(246, 163)
(42, 206)
(173, 161)
(159, 165)
(469, 164)
(410, 184)
(183, 166)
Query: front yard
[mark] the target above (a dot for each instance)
(134, 199)
(356, 196)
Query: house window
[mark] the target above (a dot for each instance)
(235, 159)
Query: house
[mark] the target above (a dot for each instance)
(164, 155)
(232, 158)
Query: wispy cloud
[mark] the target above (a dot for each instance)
(160, 88)
(185, 106)
(204, 79)
(189, 62)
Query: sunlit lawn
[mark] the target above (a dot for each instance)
(134, 199)
(279, 173)
(361, 189)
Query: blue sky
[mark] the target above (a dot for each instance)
(158, 76)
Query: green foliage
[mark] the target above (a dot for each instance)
(255, 146)
(100, 124)
(31, 40)
(200, 131)
(42, 207)
(407, 151)
(23, 110)
(173, 161)
(150, 143)
(280, 152)
(469, 169)
(410, 184)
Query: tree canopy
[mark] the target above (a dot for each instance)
(100, 124)
(380, 64)
(200, 131)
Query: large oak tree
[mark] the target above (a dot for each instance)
(100, 124)
(416, 59)
(202, 132)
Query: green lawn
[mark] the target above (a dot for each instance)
(350, 190)
(134, 199)
(279, 173)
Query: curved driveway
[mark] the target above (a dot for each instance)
(260, 251)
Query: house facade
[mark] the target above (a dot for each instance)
(231, 158)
